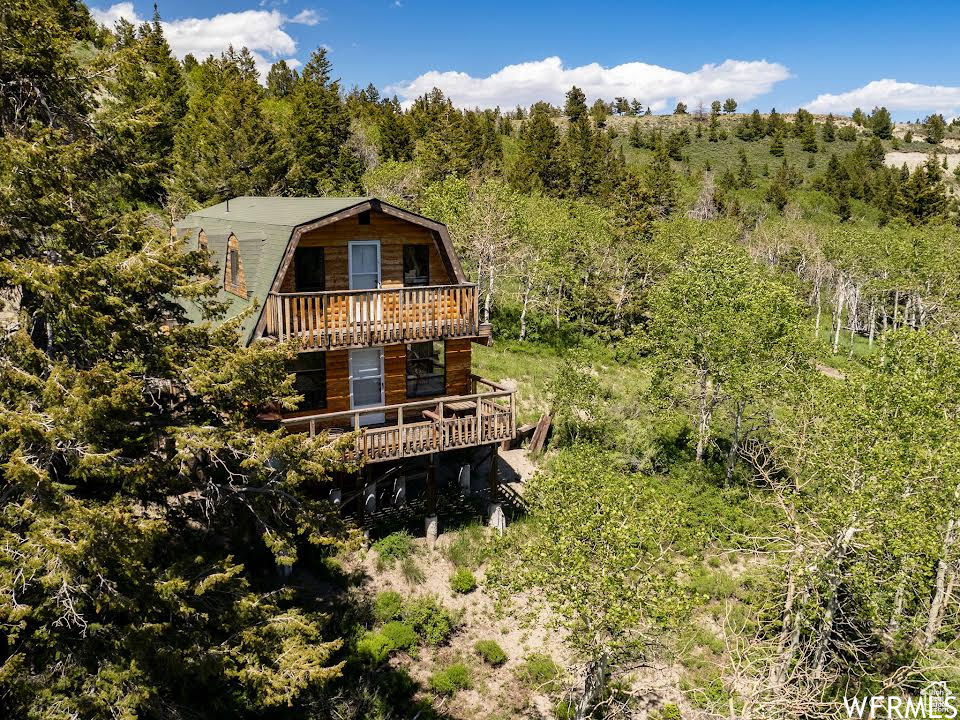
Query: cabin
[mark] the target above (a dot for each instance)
(382, 314)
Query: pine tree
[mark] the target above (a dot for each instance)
(395, 140)
(281, 80)
(225, 146)
(576, 105)
(537, 165)
(729, 105)
(318, 132)
(935, 128)
(583, 157)
(142, 503)
(145, 101)
(858, 117)
(881, 123)
(715, 107)
(808, 141)
(662, 181)
(829, 131)
(680, 109)
(598, 112)
(776, 145)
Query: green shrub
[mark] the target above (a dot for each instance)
(669, 712)
(469, 548)
(393, 547)
(412, 572)
(431, 621)
(387, 606)
(374, 647)
(491, 652)
(565, 710)
(463, 581)
(400, 635)
(453, 678)
(538, 670)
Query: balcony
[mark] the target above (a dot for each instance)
(358, 318)
(421, 428)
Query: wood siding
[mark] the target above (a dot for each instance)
(392, 233)
(457, 358)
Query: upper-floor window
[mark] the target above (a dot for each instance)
(233, 278)
(416, 265)
(309, 272)
(426, 371)
(311, 379)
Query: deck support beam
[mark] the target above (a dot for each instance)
(430, 524)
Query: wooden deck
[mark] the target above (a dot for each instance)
(359, 318)
(422, 427)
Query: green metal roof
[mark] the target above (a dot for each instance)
(263, 226)
(283, 211)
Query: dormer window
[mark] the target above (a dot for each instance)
(233, 279)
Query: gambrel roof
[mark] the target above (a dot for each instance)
(268, 230)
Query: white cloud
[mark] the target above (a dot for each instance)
(893, 95)
(548, 79)
(261, 31)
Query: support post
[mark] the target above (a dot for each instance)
(498, 520)
(431, 521)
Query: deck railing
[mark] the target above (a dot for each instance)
(422, 427)
(357, 318)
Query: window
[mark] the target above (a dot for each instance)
(426, 374)
(309, 274)
(363, 218)
(234, 281)
(311, 380)
(416, 265)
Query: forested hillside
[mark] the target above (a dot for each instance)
(744, 325)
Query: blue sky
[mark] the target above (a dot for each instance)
(827, 56)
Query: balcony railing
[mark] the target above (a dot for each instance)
(422, 427)
(357, 318)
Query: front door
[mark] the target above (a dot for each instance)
(364, 263)
(366, 383)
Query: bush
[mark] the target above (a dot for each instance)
(669, 712)
(453, 678)
(469, 548)
(374, 647)
(412, 572)
(400, 635)
(565, 710)
(387, 606)
(393, 547)
(463, 581)
(491, 652)
(538, 670)
(429, 619)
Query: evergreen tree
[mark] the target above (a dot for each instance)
(281, 79)
(715, 107)
(142, 505)
(808, 141)
(636, 108)
(829, 130)
(729, 105)
(858, 117)
(145, 101)
(576, 105)
(775, 123)
(776, 145)
(225, 146)
(318, 131)
(537, 165)
(395, 140)
(598, 112)
(583, 157)
(680, 109)
(662, 181)
(935, 128)
(881, 123)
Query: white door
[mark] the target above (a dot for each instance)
(366, 383)
(364, 267)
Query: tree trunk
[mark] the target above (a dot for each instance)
(938, 602)
(559, 298)
(488, 301)
(816, 327)
(873, 321)
(896, 307)
(839, 320)
(838, 551)
(735, 440)
(707, 402)
(595, 677)
(527, 288)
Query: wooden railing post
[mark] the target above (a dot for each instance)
(400, 438)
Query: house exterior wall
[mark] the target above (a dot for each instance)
(393, 233)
